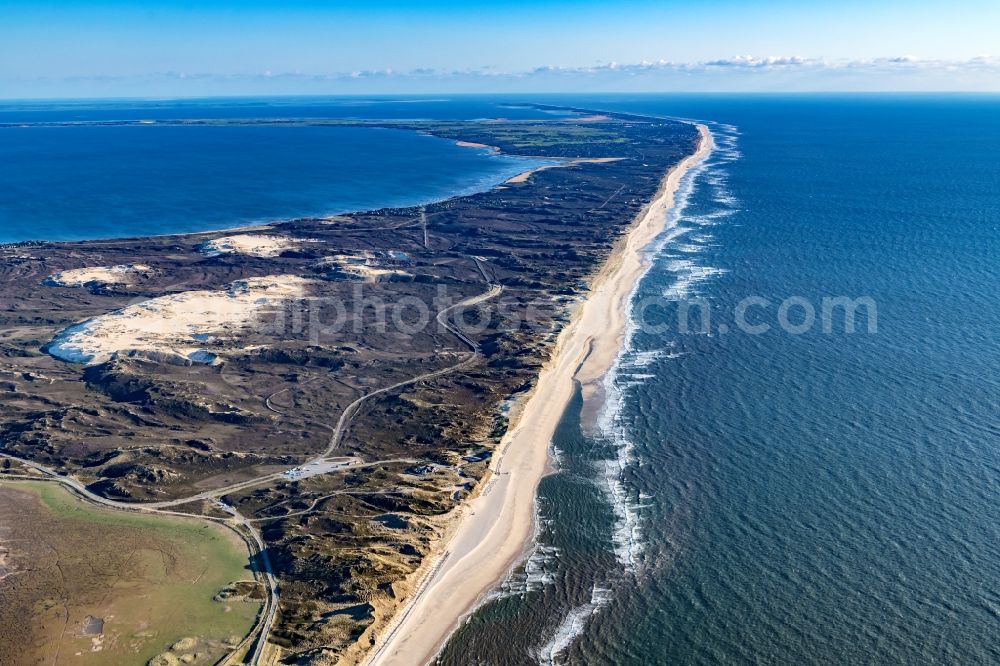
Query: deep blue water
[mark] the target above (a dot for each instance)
(811, 498)
(465, 107)
(825, 498)
(79, 182)
(778, 498)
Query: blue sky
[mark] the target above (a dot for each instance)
(117, 48)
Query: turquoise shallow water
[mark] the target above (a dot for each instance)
(816, 498)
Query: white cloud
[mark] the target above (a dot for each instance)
(749, 62)
(735, 73)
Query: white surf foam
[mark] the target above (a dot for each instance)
(572, 627)
(622, 378)
(630, 369)
(535, 572)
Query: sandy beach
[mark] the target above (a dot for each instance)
(492, 530)
(524, 175)
(473, 144)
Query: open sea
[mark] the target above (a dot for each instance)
(764, 487)
(789, 496)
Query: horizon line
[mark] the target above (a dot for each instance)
(405, 95)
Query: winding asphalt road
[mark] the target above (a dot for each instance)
(243, 525)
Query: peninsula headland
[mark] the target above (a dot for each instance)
(341, 392)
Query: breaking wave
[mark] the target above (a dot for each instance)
(571, 627)
(677, 254)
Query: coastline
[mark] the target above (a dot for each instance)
(269, 223)
(445, 525)
(492, 530)
(524, 175)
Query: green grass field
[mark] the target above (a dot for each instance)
(150, 578)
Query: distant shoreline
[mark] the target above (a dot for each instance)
(494, 528)
(496, 168)
(508, 495)
(525, 175)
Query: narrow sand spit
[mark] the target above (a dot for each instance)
(472, 144)
(492, 530)
(525, 175)
(177, 325)
(255, 245)
(102, 275)
(522, 177)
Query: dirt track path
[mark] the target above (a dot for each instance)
(243, 525)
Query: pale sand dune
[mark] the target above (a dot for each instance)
(104, 275)
(363, 266)
(492, 530)
(173, 324)
(256, 245)
(374, 273)
(524, 176)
